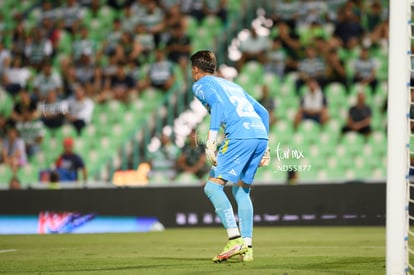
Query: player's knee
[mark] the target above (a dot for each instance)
(218, 181)
(241, 193)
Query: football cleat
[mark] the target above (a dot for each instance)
(232, 248)
(248, 256)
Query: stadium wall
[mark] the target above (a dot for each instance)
(324, 204)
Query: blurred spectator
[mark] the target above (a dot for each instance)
(52, 33)
(145, 41)
(161, 72)
(312, 12)
(359, 117)
(69, 164)
(3, 127)
(348, 25)
(46, 81)
(217, 8)
(336, 68)
(275, 61)
(14, 183)
(164, 160)
(32, 131)
(365, 70)
(68, 77)
(109, 69)
(24, 103)
(374, 15)
(16, 76)
(173, 16)
(129, 19)
(153, 20)
(53, 111)
(194, 8)
(37, 48)
(84, 45)
(5, 57)
(19, 38)
(127, 49)
(286, 11)
(292, 177)
(88, 74)
(313, 105)
(312, 66)
(193, 159)
(4, 26)
(269, 103)
(49, 12)
(254, 47)
(118, 4)
(120, 86)
(80, 108)
(291, 43)
(72, 14)
(112, 39)
(14, 153)
(178, 47)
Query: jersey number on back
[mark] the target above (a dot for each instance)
(243, 107)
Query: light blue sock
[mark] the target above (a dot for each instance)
(224, 210)
(245, 210)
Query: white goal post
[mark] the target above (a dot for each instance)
(398, 137)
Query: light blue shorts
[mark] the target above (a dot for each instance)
(238, 159)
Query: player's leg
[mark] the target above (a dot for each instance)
(226, 170)
(241, 193)
(214, 190)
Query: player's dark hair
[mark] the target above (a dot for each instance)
(204, 60)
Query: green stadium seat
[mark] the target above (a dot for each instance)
(6, 103)
(310, 130)
(187, 178)
(254, 69)
(353, 142)
(192, 26)
(5, 174)
(213, 24)
(378, 141)
(333, 128)
(336, 94)
(28, 174)
(273, 83)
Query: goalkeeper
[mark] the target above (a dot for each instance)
(244, 149)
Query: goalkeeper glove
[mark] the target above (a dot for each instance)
(266, 158)
(211, 151)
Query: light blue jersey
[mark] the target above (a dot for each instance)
(231, 107)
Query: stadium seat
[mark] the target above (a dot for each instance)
(6, 103)
(310, 130)
(254, 69)
(186, 178)
(213, 24)
(5, 174)
(273, 83)
(28, 174)
(333, 128)
(353, 141)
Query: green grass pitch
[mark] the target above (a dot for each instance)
(277, 250)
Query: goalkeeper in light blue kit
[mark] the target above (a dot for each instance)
(244, 149)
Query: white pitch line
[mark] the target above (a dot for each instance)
(7, 250)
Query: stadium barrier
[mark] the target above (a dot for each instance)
(323, 204)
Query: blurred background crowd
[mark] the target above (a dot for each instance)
(90, 89)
